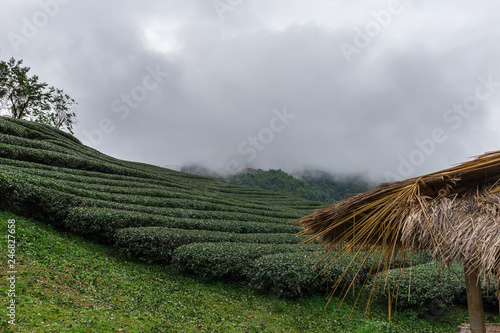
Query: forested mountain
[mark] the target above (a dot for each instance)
(311, 184)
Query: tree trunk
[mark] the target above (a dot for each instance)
(475, 302)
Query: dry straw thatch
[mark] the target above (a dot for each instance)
(454, 213)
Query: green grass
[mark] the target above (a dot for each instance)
(67, 284)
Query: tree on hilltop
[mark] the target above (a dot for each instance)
(25, 97)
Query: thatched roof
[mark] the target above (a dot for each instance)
(454, 213)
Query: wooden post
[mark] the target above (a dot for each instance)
(475, 301)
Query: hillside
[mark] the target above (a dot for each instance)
(44, 170)
(67, 284)
(310, 185)
(145, 211)
(197, 226)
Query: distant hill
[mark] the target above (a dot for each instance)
(312, 185)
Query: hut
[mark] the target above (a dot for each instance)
(453, 213)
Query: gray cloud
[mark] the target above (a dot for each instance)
(371, 114)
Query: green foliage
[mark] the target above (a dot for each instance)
(155, 214)
(101, 222)
(60, 113)
(67, 284)
(201, 208)
(30, 134)
(67, 160)
(426, 288)
(329, 188)
(57, 180)
(292, 275)
(22, 95)
(288, 275)
(42, 203)
(227, 261)
(488, 291)
(311, 185)
(156, 244)
(26, 98)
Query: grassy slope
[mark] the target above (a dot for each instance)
(72, 282)
(67, 284)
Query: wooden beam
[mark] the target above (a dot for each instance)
(475, 301)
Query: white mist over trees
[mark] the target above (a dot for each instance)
(313, 185)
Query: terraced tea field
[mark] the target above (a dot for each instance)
(197, 226)
(144, 210)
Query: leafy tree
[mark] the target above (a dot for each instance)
(60, 114)
(24, 97)
(23, 94)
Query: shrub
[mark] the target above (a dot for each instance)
(65, 160)
(44, 204)
(156, 244)
(488, 290)
(9, 126)
(127, 195)
(287, 275)
(42, 129)
(291, 275)
(426, 288)
(101, 222)
(229, 261)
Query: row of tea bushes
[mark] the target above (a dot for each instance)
(226, 261)
(285, 270)
(431, 288)
(95, 220)
(156, 244)
(126, 189)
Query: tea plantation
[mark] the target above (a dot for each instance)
(147, 212)
(198, 226)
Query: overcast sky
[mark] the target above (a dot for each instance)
(391, 89)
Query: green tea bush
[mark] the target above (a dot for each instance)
(425, 288)
(146, 210)
(38, 144)
(85, 176)
(156, 244)
(287, 275)
(230, 220)
(44, 204)
(63, 160)
(105, 220)
(291, 275)
(44, 131)
(10, 126)
(228, 261)
(147, 191)
(166, 199)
